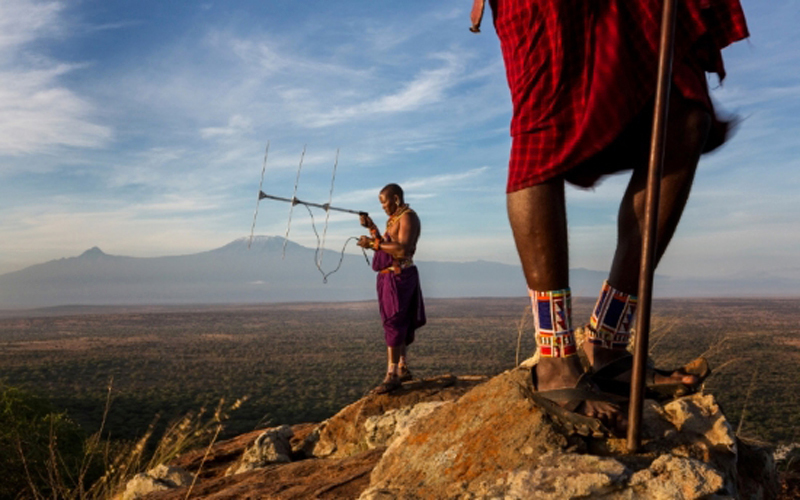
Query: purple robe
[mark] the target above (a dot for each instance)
(400, 300)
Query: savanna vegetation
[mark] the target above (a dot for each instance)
(303, 362)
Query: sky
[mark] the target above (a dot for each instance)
(140, 127)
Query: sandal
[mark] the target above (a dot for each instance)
(606, 379)
(561, 404)
(405, 374)
(390, 383)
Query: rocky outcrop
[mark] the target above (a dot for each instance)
(466, 438)
(332, 459)
(493, 442)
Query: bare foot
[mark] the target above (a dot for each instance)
(561, 373)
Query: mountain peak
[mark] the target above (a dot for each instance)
(257, 239)
(260, 242)
(93, 252)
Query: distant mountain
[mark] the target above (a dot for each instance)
(236, 274)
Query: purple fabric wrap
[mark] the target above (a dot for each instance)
(400, 301)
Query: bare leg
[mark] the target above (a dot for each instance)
(539, 222)
(686, 134)
(687, 130)
(395, 354)
(392, 379)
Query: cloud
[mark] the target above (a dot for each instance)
(22, 21)
(423, 187)
(175, 203)
(37, 112)
(426, 88)
(267, 57)
(444, 180)
(237, 124)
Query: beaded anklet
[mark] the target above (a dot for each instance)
(552, 320)
(612, 319)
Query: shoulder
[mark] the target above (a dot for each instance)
(410, 216)
(410, 221)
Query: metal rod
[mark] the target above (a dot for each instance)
(327, 210)
(650, 233)
(291, 208)
(260, 184)
(295, 201)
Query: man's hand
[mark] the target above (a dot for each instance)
(366, 221)
(365, 242)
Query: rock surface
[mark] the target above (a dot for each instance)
(493, 442)
(160, 478)
(467, 438)
(344, 434)
(345, 446)
(270, 447)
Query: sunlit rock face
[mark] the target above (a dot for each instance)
(472, 438)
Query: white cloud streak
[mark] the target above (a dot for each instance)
(420, 187)
(427, 88)
(22, 21)
(38, 113)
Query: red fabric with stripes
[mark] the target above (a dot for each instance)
(579, 71)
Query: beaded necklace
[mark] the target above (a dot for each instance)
(394, 218)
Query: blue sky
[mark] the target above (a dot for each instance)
(139, 126)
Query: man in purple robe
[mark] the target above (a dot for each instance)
(399, 293)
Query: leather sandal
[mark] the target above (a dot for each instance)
(561, 405)
(606, 379)
(390, 383)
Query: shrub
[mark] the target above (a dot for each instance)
(40, 447)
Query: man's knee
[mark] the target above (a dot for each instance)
(688, 127)
(698, 123)
(689, 123)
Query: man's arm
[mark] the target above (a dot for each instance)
(375, 237)
(407, 234)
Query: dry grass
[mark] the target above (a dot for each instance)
(121, 461)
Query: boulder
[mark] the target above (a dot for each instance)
(670, 477)
(381, 430)
(159, 478)
(465, 447)
(271, 447)
(348, 432)
(494, 443)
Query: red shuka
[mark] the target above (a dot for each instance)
(580, 70)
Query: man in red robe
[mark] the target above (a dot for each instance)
(582, 76)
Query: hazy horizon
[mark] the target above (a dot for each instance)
(234, 273)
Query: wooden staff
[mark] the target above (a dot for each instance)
(650, 236)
